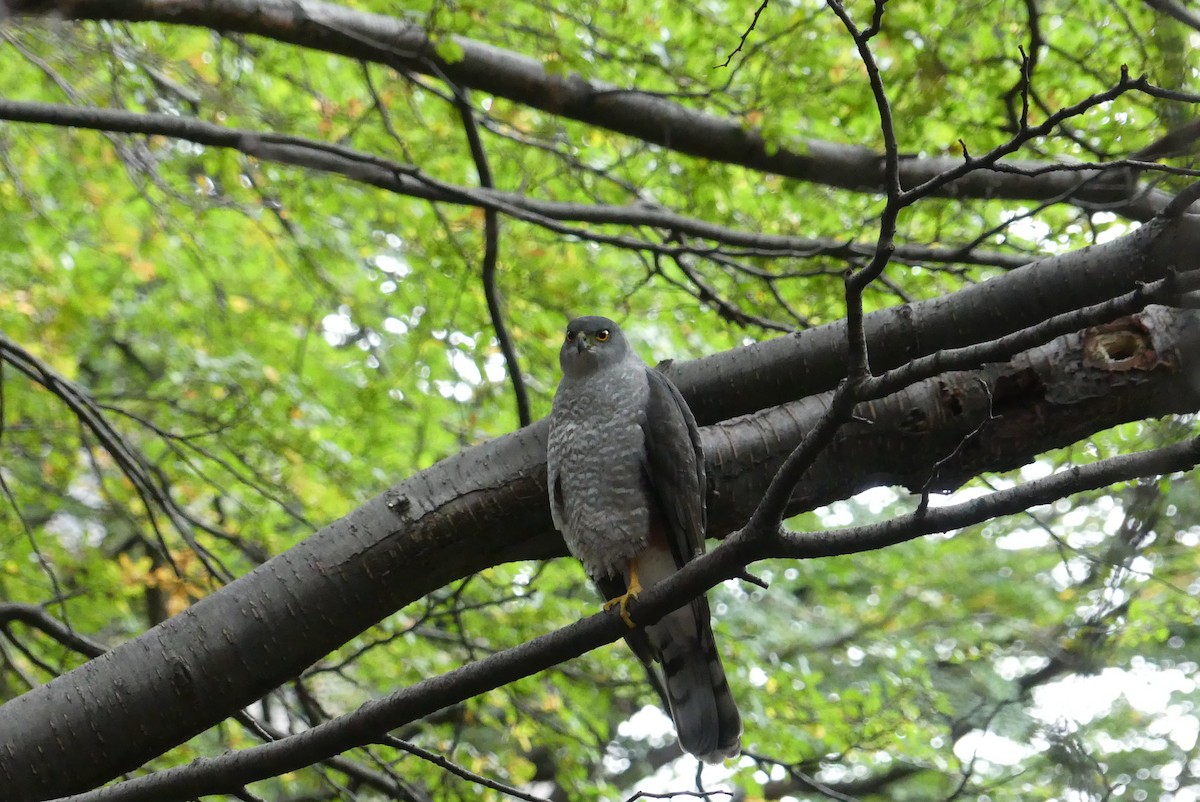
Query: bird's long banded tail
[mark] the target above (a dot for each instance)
(705, 713)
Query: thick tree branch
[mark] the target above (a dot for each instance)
(776, 371)
(1164, 291)
(648, 117)
(371, 721)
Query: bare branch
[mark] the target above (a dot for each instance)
(491, 251)
(36, 617)
(1156, 462)
(745, 34)
(858, 367)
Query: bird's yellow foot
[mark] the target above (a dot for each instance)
(635, 590)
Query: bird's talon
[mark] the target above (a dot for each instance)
(635, 590)
(623, 602)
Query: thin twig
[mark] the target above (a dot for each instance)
(150, 487)
(746, 34)
(459, 771)
(491, 249)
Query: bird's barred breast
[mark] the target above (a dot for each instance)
(599, 445)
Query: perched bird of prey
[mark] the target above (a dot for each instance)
(627, 489)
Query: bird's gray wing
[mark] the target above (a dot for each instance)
(701, 703)
(552, 477)
(674, 466)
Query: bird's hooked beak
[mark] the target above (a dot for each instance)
(583, 342)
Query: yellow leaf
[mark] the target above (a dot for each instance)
(143, 269)
(177, 602)
(133, 572)
(239, 303)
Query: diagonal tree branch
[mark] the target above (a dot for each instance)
(151, 488)
(491, 254)
(1179, 12)
(372, 720)
(407, 179)
(36, 617)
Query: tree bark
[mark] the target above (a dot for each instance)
(766, 374)
(487, 505)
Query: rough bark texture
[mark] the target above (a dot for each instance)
(937, 434)
(797, 365)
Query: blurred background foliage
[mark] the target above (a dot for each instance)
(280, 344)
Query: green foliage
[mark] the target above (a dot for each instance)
(283, 344)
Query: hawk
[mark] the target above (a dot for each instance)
(627, 492)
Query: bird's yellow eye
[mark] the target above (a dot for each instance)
(602, 336)
(570, 336)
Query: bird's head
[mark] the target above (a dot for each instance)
(591, 343)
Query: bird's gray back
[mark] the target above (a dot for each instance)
(595, 451)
